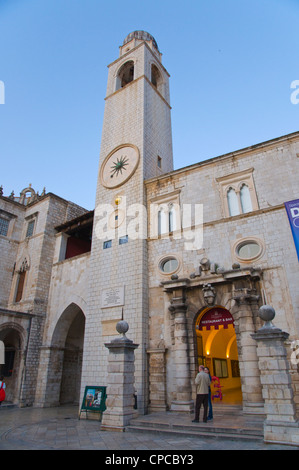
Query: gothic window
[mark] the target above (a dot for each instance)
(165, 215)
(20, 287)
(238, 193)
(161, 222)
(167, 218)
(246, 203)
(125, 75)
(21, 280)
(233, 203)
(171, 218)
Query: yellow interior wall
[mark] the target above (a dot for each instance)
(222, 344)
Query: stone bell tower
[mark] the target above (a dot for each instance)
(136, 145)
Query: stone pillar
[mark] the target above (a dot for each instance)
(281, 425)
(157, 379)
(183, 400)
(253, 402)
(120, 382)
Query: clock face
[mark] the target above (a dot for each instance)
(119, 165)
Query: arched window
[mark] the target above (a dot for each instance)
(21, 280)
(245, 199)
(125, 74)
(171, 219)
(155, 76)
(233, 204)
(162, 219)
(167, 218)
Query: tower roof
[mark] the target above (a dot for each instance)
(142, 35)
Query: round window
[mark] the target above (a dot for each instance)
(169, 265)
(248, 250)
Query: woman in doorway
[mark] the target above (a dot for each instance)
(210, 414)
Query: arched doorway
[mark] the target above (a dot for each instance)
(72, 361)
(11, 369)
(65, 359)
(217, 349)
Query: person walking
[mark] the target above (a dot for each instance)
(2, 389)
(202, 382)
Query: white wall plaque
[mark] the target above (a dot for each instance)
(113, 297)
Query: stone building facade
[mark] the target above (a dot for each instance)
(185, 256)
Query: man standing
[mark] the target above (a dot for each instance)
(202, 382)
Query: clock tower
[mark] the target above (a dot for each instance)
(136, 145)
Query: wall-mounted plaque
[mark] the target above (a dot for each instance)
(113, 297)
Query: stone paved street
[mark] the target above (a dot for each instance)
(60, 428)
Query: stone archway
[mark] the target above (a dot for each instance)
(62, 360)
(13, 338)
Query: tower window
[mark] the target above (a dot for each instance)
(125, 75)
(159, 162)
(156, 77)
(123, 240)
(107, 244)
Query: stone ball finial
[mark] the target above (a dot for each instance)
(122, 327)
(267, 313)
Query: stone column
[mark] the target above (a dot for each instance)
(253, 402)
(157, 379)
(281, 425)
(183, 400)
(120, 382)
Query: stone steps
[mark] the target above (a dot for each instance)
(228, 422)
(7, 404)
(196, 429)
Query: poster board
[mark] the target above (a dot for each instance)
(94, 400)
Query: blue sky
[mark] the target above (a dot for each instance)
(231, 63)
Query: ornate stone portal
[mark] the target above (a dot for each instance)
(236, 290)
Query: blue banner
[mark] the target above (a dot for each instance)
(292, 208)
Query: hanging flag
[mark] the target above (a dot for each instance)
(292, 208)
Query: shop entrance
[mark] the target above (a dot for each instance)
(217, 350)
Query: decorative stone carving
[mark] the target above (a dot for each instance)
(209, 294)
(205, 264)
(245, 295)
